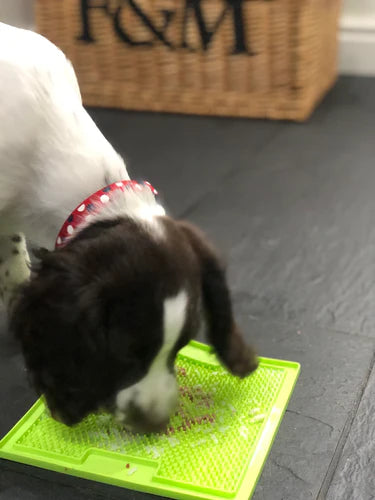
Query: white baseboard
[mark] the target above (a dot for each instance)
(357, 46)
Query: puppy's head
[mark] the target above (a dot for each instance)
(103, 318)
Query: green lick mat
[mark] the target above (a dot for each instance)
(215, 447)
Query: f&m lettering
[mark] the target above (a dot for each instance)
(87, 35)
(192, 13)
(193, 8)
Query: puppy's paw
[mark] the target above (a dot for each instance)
(240, 359)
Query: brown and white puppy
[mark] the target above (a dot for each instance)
(102, 318)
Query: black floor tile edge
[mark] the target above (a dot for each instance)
(343, 438)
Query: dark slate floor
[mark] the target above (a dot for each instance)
(293, 209)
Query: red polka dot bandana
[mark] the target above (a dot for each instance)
(85, 210)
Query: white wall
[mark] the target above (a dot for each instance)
(357, 31)
(359, 7)
(357, 37)
(17, 12)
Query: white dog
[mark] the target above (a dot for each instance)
(120, 287)
(51, 153)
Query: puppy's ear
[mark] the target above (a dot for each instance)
(222, 331)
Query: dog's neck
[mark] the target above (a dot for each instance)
(122, 198)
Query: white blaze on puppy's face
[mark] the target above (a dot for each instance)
(155, 395)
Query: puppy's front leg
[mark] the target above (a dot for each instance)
(14, 267)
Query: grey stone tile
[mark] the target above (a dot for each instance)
(334, 369)
(183, 156)
(352, 91)
(354, 477)
(298, 229)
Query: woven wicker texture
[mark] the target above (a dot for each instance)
(249, 58)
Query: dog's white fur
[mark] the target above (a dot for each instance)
(52, 157)
(137, 204)
(51, 152)
(158, 382)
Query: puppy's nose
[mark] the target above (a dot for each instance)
(148, 426)
(139, 421)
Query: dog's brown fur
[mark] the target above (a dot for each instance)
(90, 320)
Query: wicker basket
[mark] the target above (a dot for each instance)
(251, 58)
